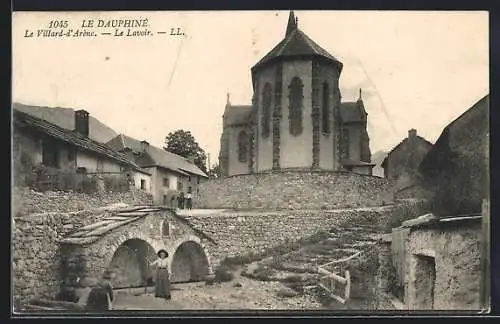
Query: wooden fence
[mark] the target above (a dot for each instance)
(338, 287)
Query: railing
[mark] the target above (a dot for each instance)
(332, 282)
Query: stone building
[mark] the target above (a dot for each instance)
(456, 169)
(438, 263)
(37, 141)
(402, 162)
(296, 119)
(171, 173)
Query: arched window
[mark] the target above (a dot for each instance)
(345, 144)
(165, 229)
(325, 108)
(266, 110)
(243, 146)
(295, 109)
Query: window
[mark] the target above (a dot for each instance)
(143, 184)
(198, 180)
(266, 110)
(179, 186)
(190, 189)
(71, 154)
(345, 144)
(242, 146)
(165, 199)
(295, 108)
(166, 182)
(189, 178)
(325, 109)
(50, 153)
(165, 228)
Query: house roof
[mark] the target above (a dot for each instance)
(22, 119)
(93, 232)
(155, 156)
(237, 115)
(431, 159)
(404, 142)
(352, 112)
(65, 118)
(296, 44)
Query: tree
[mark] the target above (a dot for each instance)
(183, 143)
(215, 171)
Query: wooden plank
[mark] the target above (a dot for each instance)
(117, 218)
(132, 214)
(342, 260)
(109, 227)
(333, 276)
(347, 293)
(339, 299)
(95, 225)
(79, 240)
(485, 262)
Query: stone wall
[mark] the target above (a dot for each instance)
(241, 232)
(40, 220)
(295, 190)
(27, 201)
(455, 249)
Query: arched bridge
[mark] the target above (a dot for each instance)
(126, 240)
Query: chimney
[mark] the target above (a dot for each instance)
(144, 146)
(82, 122)
(412, 133)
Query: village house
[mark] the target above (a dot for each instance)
(37, 141)
(171, 173)
(441, 259)
(402, 162)
(296, 119)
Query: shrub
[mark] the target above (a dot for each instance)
(223, 274)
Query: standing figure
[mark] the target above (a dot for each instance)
(106, 284)
(99, 298)
(162, 282)
(189, 200)
(181, 200)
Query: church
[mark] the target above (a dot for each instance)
(296, 120)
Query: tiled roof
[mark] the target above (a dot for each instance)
(352, 112)
(155, 156)
(22, 119)
(93, 232)
(238, 115)
(297, 44)
(65, 118)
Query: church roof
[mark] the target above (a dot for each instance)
(237, 115)
(352, 112)
(296, 44)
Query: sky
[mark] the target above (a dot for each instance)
(416, 69)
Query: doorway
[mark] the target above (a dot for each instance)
(425, 278)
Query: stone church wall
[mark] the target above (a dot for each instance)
(295, 190)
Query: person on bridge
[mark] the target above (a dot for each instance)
(162, 282)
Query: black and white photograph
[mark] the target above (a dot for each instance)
(264, 160)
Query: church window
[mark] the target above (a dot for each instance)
(345, 143)
(242, 146)
(266, 110)
(325, 109)
(296, 98)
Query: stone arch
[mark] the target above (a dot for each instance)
(190, 261)
(130, 263)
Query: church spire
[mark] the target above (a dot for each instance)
(292, 23)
